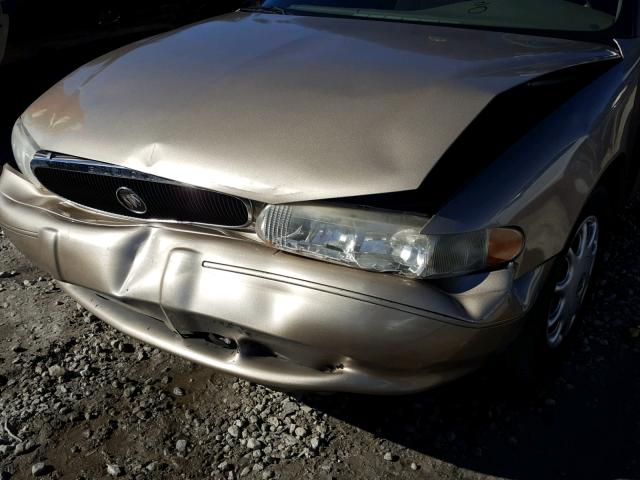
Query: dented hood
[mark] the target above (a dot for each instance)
(284, 108)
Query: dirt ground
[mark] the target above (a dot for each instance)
(80, 400)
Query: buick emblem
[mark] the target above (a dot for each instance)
(131, 201)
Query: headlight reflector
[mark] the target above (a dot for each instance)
(383, 241)
(24, 149)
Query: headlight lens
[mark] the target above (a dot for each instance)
(24, 149)
(383, 241)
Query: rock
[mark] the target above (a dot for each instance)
(142, 414)
(253, 444)
(234, 431)
(114, 470)
(289, 440)
(178, 392)
(315, 443)
(57, 371)
(267, 474)
(25, 447)
(126, 348)
(39, 469)
(300, 432)
(289, 407)
(388, 457)
(414, 466)
(181, 446)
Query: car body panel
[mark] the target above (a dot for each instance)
(542, 183)
(278, 372)
(340, 329)
(284, 109)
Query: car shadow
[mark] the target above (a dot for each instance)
(583, 421)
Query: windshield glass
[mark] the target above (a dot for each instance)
(541, 15)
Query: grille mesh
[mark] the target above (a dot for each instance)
(164, 200)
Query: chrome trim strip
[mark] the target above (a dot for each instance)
(75, 164)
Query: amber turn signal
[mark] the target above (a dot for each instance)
(505, 244)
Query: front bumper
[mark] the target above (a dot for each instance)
(290, 322)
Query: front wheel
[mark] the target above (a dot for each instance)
(554, 316)
(572, 280)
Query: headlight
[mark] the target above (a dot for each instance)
(24, 149)
(383, 241)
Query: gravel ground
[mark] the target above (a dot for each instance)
(80, 400)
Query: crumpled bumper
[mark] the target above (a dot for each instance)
(225, 300)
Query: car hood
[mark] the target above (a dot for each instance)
(284, 108)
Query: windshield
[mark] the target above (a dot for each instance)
(580, 16)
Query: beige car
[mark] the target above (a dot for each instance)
(367, 196)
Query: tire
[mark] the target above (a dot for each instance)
(553, 320)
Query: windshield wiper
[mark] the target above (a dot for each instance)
(275, 10)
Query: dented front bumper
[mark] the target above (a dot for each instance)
(225, 300)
